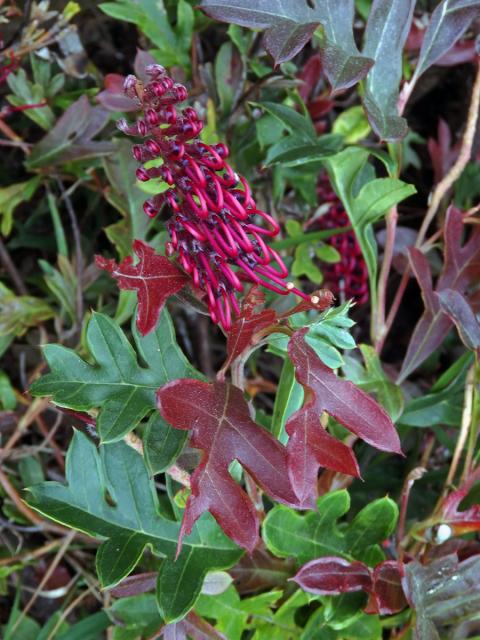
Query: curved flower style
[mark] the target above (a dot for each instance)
(214, 228)
(347, 278)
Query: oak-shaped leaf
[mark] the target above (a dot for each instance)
(120, 388)
(460, 268)
(251, 321)
(310, 446)
(333, 575)
(315, 534)
(154, 278)
(109, 495)
(221, 427)
(290, 25)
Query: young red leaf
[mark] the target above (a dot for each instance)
(461, 267)
(462, 521)
(250, 322)
(332, 575)
(310, 446)
(387, 595)
(222, 428)
(154, 278)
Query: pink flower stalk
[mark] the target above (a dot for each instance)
(347, 278)
(214, 226)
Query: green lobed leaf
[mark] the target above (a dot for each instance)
(233, 615)
(305, 537)
(109, 495)
(117, 385)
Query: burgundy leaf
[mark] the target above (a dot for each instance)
(331, 576)
(250, 322)
(134, 585)
(113, 97)
(461, 313)
(462, 521)
(387, 594)
(461, 267)
(154, 278)
(222, 428)
(260, 571)
(310, 446)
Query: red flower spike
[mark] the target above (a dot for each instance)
(222, 428)
(347, 278)
(154, 278)
(310, 446)
(213, 227)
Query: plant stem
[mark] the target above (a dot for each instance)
(12, 270)
(464, 428)
(314, 236)
(475, 423)
(437, 196)
(378, 320)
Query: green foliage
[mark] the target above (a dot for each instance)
(117, 385)
(110, 496)
(366, 200)
(171, 43)
(316, 534)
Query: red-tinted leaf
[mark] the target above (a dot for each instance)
(222, 428)
(331, 576)
(461, 313)
(310, 446)
(387, 593)
(461, 267)
(113, 97)
(260, 571)
(442, 153)
(310, 75)
(154, 278)
(250, 322)
(136, 584)
(462, 521)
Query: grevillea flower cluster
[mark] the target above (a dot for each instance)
(347, 278)
(218, 235)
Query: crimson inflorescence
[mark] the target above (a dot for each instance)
(214, 225)
(347, 278)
